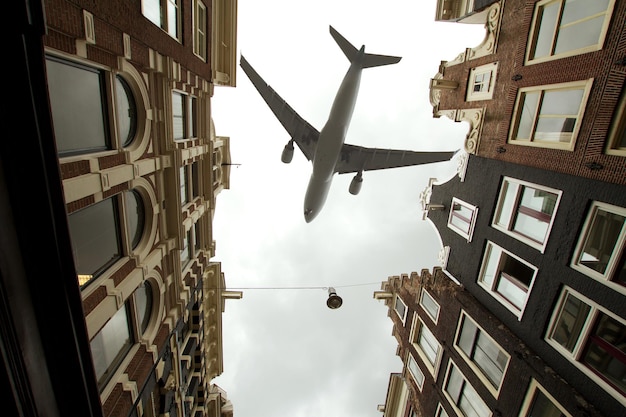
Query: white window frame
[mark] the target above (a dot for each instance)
(508, 225)
(434, 316)
(452, 402)
(568, 145)
(616, 255)
(163, 20)
(441, 412)
(619, 126)
(416, 332)
(471, 222)
(529, 399)
(200, 49)
(486, 94)
(586, 328)
(495, 390)
(536, 24)
(395, 308)
(490, 249)
(415, 371)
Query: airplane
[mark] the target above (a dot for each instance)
(326, 148)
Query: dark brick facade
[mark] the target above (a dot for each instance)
(608, 81)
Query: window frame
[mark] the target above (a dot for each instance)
(188, 118)
(473, 364)
(510, 222)
(471, 222)
(492, 289)
(433, 317)
(617, 256)
(441, 411)
(533, 388)
(402, 316)
(536, 25)
(618, 128)
(417, 328)
(575, 356)
(200, 49)
(492, 70)
(413, 367)
(582, 85)
(466, 382)
(164, 16)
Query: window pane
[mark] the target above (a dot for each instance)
(580, 35)
(430, 305)
(561, 101)
(606, 351)
(400, 308)
(110, 345)
(579, 9)
(178, 115)
(489, 358)
(454, 384)
(543, 407)
(135, 216)
(77, 102)
(182, 172)
(95, 237)
(528, 104)
(416, 372)
(601, 241)
(548, 18)
(151, 9)
(143, 302)
(126, 111)
(571, 320)
(428, 343)
(471, 404)
(172, 18)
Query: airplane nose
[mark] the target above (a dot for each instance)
(308, 215)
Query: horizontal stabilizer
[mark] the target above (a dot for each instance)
(369, 60)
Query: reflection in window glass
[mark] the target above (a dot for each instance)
(126, 111)
(463, 395)
(96, 243)
(430, 305)
(416, 372)
(109, 346)
(542, 407)
(135, 216)
(400, 308)
(178, 115)
(606, 351)
(571, 320)
(78, 106)
(143, 302)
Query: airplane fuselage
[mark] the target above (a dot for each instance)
(331, 140)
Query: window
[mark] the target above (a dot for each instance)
(526, 211)
(462, 218)
(189, 183)
(400, 308)
(183, 180)
(549, 116)
(617, 136)
(111, 344)
(563, 28)
(79, 105)
(441, 412)
(429, 305)
(539, 403)
(165, 14)
(143, 304)
(416, 372)
(507, 278)
(592, 338)
(97, 236)
(184, 116)
(200, 30)
(426, 345)
(481, 352)
(462, 396)
(185, 251)
(600, 250)
(481, 82)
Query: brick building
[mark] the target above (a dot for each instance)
(120, 97)
(461, 360)
(544, 88)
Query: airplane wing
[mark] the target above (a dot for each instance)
(357, 158)
(303, 134)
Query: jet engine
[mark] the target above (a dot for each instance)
(355, 184)
(287, 155)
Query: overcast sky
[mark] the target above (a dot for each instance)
(285, 353)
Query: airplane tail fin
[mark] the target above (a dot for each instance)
(369, 60)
